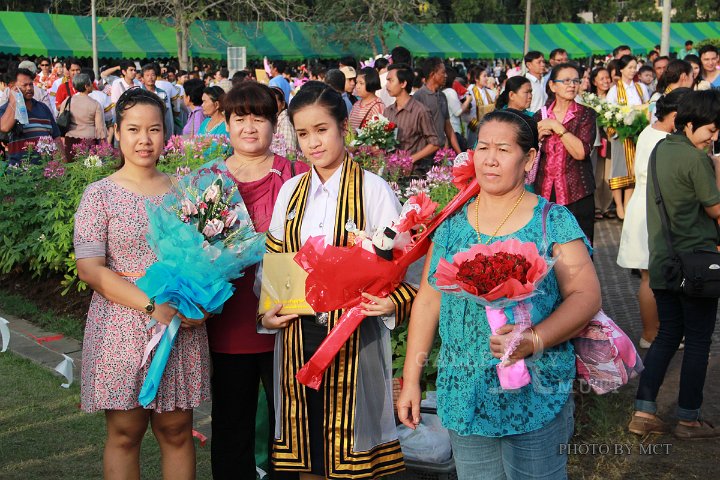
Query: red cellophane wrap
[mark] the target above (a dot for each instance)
(337, 276)
(446, 273)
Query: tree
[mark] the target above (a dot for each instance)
(183, 13)
(366, 20)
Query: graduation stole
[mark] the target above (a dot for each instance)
(622, 93)
(350, 207)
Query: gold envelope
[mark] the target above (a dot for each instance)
(283, 281)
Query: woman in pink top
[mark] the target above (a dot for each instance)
(368, 82)
(241, 357)
(87, 121)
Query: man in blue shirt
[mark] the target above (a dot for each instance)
(277, 69)
(41, 122)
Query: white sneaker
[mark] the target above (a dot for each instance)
(644, 343)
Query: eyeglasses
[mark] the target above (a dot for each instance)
(44, 64)
(568, 81)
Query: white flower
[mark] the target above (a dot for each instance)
(619, 116)
(93, 161)
(608, 115)
(213, 227)
(41, 238)
(189, 208)
(211, 193)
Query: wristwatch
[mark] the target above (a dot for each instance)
(150, 307)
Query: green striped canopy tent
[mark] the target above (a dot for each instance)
(63, 35)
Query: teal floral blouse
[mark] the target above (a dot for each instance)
(470, 399)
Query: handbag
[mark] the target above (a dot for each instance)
(696, 273)
(605, 357)
(283, 281)
(63, 120)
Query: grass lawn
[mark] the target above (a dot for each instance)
(44, 435)
(23, 307)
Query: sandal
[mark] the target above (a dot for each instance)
(599, 215)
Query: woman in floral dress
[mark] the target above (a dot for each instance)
(112, 252)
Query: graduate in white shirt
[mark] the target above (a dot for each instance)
(316, 432)
(625, 92)
(535, 64)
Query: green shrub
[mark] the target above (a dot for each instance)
(39, 201)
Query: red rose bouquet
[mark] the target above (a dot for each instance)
(499, 276)
(378, 265)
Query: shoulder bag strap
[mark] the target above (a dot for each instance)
(664, 218)
(546, 210)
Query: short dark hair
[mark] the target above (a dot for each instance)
(125, 64)
(645, 68)
(151, 66)
(430, 65)
(251, 98)
(24, 71)
(672, 74)
(707, 48)
(525, 127)
(617, 49)
(669, 103)
(661, 58)
(689, 42)
(89, 72)
(224, 73)
(280, 65)
(557, 51)
(69, 62)
(381, 63)
(404, 74)
(279, 96)
(319, 93)
(701, 107)
(336, 79)
(217, 94)
(349, 62)
(401, 54)
(593, 74)
(194, 90)
(239, 77)
(451, 76)
(553, 76)
(372, 79)
(532, 55)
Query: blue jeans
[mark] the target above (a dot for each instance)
(532, 455)
(680, 316)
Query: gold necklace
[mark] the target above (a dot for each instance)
(477, 217)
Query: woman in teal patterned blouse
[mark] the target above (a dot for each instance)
(497, 433)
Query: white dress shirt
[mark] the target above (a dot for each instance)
(381, 206)
(383, 94)
(539, 97)
(632, 95)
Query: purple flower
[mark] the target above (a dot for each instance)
(444, 156)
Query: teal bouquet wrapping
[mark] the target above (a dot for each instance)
(203, 237)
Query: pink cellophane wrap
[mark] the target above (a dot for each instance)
(338, 275)
(515, 375)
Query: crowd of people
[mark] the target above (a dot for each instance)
(547, 172)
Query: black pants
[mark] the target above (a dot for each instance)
(235, 381)
(584, 212)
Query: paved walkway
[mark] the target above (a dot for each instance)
(619, 302)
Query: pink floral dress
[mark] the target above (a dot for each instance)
(111, 222)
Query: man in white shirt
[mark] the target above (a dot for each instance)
(126, 81)
(150, 73)
(535, 64)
